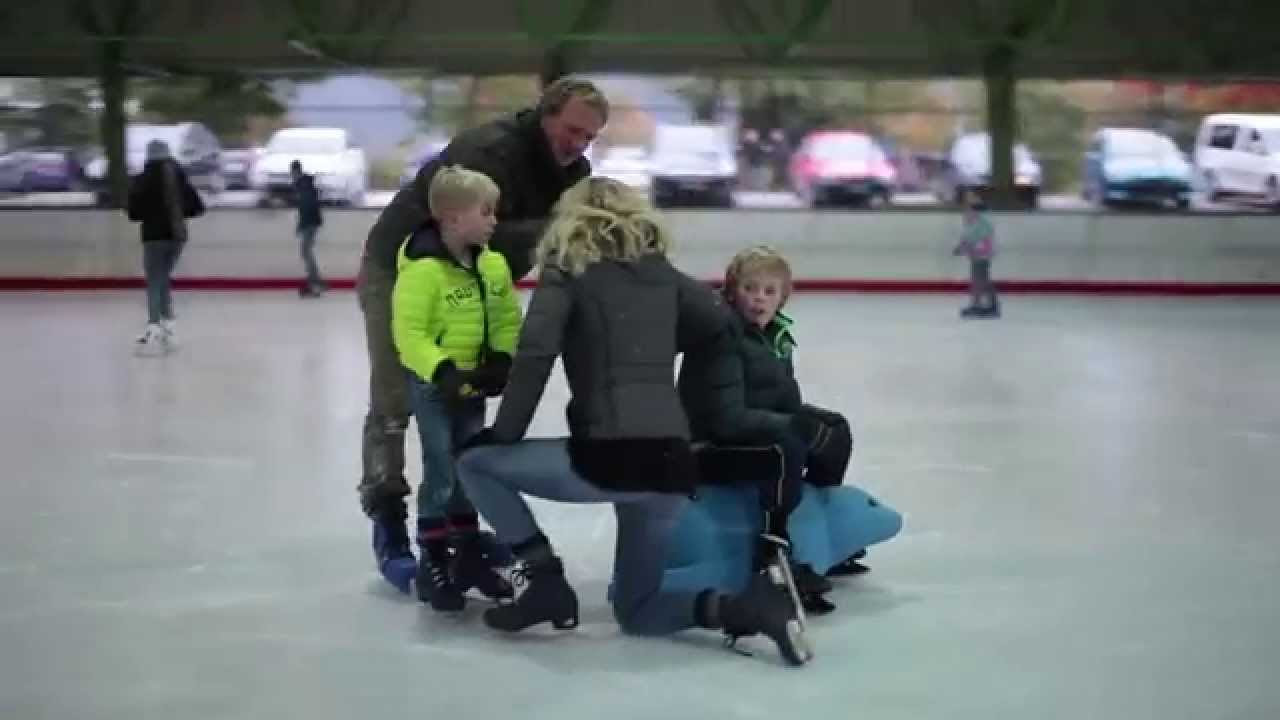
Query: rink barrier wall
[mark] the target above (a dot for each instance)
(875, 252)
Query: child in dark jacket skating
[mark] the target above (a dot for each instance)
(747, 399)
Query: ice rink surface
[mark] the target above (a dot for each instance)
(1090, 491)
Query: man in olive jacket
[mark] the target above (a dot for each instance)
(533, 156)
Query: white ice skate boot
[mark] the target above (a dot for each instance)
(151, 342)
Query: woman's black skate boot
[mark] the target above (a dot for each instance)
(547, 598)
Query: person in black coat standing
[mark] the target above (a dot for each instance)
(532, 155)
(309, 222)
(161, 198)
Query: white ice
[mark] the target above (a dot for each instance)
(1089, 486)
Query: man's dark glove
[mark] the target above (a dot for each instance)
(829, 456)
(828, 417)
(809, 429)
(491, 377)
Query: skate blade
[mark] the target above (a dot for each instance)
(799, 641)
(568, 623)
(780, 574)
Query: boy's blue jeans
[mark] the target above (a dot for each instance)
(440, 494)
(307, 247)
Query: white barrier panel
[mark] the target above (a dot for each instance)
(834, 246)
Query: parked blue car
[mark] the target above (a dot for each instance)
(39, 169)
(1132, 166)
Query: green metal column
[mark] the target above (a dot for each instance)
(114, 85)
(1001, 84)
(111, 23)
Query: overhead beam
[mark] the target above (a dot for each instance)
(564, 36)
(802, 31)
(932, 37)
(749, 25)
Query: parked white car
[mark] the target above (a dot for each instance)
(1240, 155)
(694, 164)
(340, 169)
(195, 148)
(628, 164)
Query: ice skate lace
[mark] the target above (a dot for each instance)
(439, 577)
(520, 576)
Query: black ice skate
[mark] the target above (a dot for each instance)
(473, 567)
(775, 557)
(767, 606)
(547, 598)
(808, 581)
(435, 585)
(850, 566)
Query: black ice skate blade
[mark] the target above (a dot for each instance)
(850, 568)
(797, 652)
(800, 650)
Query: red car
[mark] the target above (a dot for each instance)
(833, 166)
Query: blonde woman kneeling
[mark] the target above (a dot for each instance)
(609, 302)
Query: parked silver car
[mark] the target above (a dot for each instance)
(693, 164)
(967, 166)
(195, 148)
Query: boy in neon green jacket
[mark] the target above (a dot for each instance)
(454, 319)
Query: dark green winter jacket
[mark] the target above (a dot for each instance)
(513, 151)
(745, 391)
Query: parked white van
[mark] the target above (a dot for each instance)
(1239, 154)
(340, 168)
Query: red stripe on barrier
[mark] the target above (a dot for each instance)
(836, 285)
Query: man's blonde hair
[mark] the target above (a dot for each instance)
(558, 94)
(601, 219)
(455, 188)
(754, 261)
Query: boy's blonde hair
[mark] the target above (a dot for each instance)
(758, 260)
(601, 219)
(455, 188)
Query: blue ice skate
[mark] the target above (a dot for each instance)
(391, 551)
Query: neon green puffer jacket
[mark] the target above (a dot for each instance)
(442, 310)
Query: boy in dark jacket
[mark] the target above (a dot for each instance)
(745, 402)
(309, 222)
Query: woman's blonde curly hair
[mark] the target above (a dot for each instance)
(601, 219)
